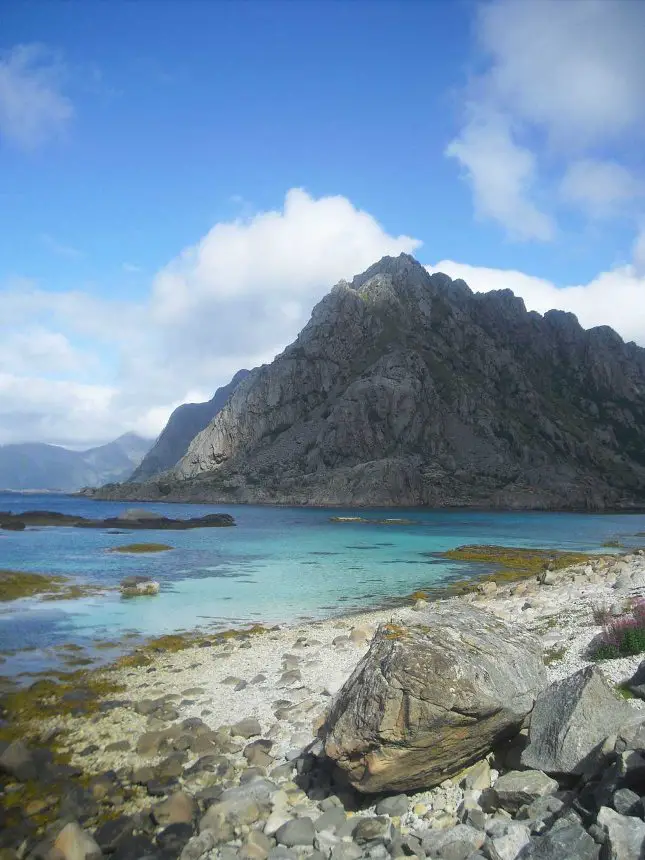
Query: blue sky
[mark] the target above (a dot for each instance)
(142, 145)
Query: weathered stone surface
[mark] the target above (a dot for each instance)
(519, 787)
(406, 388)
(139, 586)
(625, 835)
(248, 728)
(507, 841)
(566, 840)
(179, 808)
(396, 805)
(636, 684)
(74, 843)
(17, 761)
(111, 833)
(455, 843)
(298, 831)
(570, 721)
(429, 700)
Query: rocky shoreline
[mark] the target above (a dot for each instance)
(225, 749)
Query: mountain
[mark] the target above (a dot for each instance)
(406, 388)
(182, 427)
(37, 466)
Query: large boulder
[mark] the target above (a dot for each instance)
(430, 699)
(139, 586)
(570, 721)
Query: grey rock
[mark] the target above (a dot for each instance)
(74, 843)
(179, 808)
(198, 846)
(519, 787)
(247, 728)
(111, 833)
(570, 721)
(396, 805)
(508, 841)
(455, 843)
(173, 839)
(392, 394)
(331, 819)
(371, 830)
(627, 802)
(346, 851)
(298, 831)
(566, 840)
(17, 761)
(430, 699)
(625, 835)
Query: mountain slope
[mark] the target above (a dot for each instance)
(182, 427)
(37, 466)
(406, 388)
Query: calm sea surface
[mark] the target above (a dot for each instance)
(276, 565)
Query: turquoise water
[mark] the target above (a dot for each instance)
(277, 564)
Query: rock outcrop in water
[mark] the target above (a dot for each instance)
(182, 427)
(407, 388)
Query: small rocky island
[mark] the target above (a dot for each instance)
(131, 520)
(486, 726)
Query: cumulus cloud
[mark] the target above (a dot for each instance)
(502, 174)
(615, 298)
(32, 107)
(235, 299)
(565, 81)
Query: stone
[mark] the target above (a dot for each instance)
(477, 777)
(247, 728)
(243, 804)
(393, 806)
(137, 847)
(74, 843)
(428, 700)
(625, 835)
(455, 843)
(570, 721)
(18, 761)
(257, 753)
(636, 684)
(179, 808)
(198, 846)
(118, 746)
(332, 818)
(370, 830)
(508, 840)
(139, 586)
(566, 840)
(297, 831)
(627, 802)
(111, 833)
(174, 838)
(519, 787)
(256, 847)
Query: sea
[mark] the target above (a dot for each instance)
(277, 565)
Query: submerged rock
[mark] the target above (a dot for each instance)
(138, 586)
(428, 700)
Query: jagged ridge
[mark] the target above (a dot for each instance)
(407, 388)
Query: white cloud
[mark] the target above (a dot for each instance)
(615, 298)
(233, 300)
(35, 349)
(601, 188)
(32, 106)
(502, 174)
(565, 78)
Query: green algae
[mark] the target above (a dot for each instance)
(17, 584)
(515, 563)
(142, 547)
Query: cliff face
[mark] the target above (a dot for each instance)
(182, 427)
(407, 389)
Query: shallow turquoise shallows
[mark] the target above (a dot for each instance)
(276, 565)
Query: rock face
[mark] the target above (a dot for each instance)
(429, 700)
(570, 721)
(139, 586)
(182, 427)
(407, 388)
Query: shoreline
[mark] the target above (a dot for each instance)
(168, 724)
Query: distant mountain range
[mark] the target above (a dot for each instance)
(182, 427)
(37, 466)
(407, 388)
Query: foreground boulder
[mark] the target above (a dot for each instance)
(428, 700)
(570, 721)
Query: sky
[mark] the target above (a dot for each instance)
(180, 182)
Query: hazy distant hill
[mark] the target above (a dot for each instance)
(37, 466)
(182, 427)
